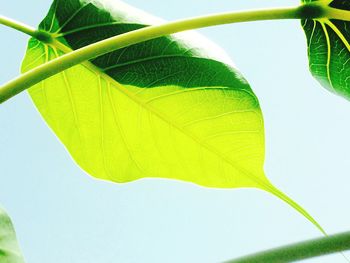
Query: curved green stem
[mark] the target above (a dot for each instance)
(299, 251)
(78, 56)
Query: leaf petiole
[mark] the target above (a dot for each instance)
(19, 26)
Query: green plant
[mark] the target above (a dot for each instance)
(158, 92)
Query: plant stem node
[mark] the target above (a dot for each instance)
(311, 11)
(43, 36)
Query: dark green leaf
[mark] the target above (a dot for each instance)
(329, 49)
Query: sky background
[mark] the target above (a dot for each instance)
(62, 215)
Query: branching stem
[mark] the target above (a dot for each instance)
(34, 76)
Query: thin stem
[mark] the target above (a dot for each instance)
(20, 27)
(299, 251)
(78, 56)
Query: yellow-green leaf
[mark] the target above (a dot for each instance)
(173, 107)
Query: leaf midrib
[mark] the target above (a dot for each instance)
(265, 185)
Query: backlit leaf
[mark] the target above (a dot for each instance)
(173, 107)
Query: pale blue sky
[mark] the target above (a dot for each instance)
(63, 216)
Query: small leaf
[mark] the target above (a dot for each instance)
(9, 249)
(173, 107)
(329, 49)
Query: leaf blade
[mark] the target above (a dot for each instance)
(165, 108)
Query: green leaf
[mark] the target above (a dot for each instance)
(9, 249)
(173, 107)
(329, 49)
